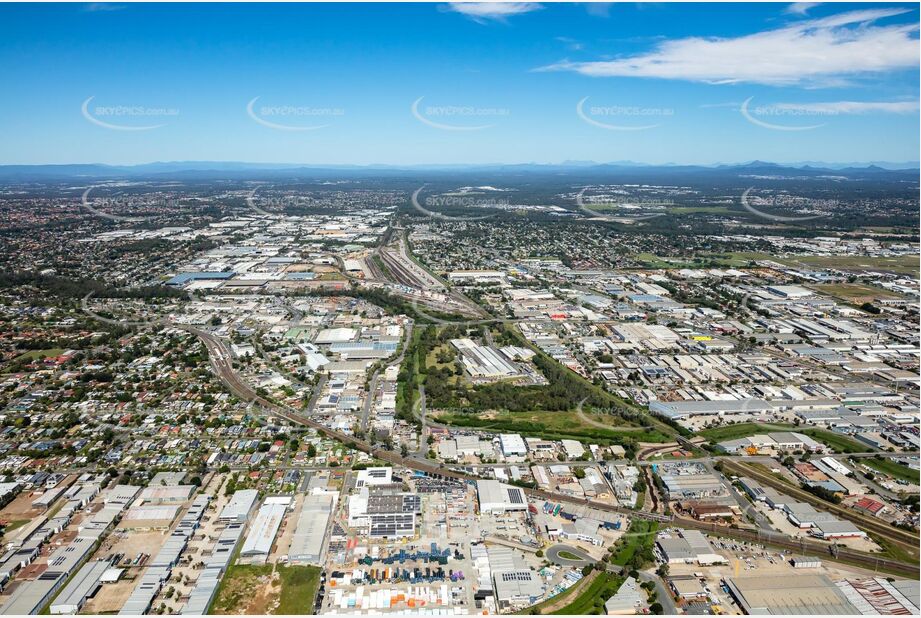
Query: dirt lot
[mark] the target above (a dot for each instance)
(110, 598)
(286, 531)
(247, 590)
(131, 543)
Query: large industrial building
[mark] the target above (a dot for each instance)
(496, 497)
(692, 547)
(258, 543)
(484, 361)
(805, 594)
(684, 481)
(240, 506)
(307, 542)
(383, 513)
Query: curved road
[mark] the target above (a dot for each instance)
(554, 551)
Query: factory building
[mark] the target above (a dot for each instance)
(240, 506)
(307, 542)
(259, 541)
(803, 594)
(496, 497)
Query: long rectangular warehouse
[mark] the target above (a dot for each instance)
(307, 542)
(83, 586)
(262, 533)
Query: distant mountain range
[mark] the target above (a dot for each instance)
(236, 170)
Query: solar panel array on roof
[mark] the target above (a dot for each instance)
(392, 525)
(393, 503)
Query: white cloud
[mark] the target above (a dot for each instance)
(570, 43)
(599, 9)
(849, 107)
(813, 52)
(99, 7)
(482, 11)
(801, 8)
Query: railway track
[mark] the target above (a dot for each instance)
(220, 357)
(221, 362)
(902, 538)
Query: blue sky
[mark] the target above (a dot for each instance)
(508, 83)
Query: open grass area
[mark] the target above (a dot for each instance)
(741, 430)
(257, 589)
(554, 601)
(592, 599)
(902, 264)
(16, 523)
(641, 535)
(651, 260)
(568, 555)
(760, 467)
(555, 425)
(298, 588)
(32, 355)
(839, 442)
(893, 469)
(640, 500)
(892, 550)
(854, 292)
(238, 587)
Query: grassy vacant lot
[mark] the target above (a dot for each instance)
(741, 430)
(36, 354)
(257, 589)
(837, 441)
(16, 523)
(551, 426)
(760, 467)
(556, 601)
(591, 600)
(893, 469)
(903, 264)
(641, 534)
(856, 293)
(298, 588)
